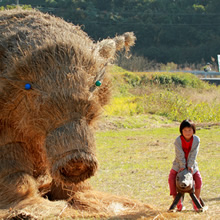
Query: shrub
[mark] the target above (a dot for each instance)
(132, 79)
(164, 94)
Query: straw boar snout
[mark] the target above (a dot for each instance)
(70, 150)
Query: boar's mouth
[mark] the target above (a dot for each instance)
(74, 167)
(184, 189)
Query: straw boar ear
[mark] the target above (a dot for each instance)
(109, 47)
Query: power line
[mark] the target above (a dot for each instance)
(134, 12)
(137, 13)
(143, 24)
(167, 13)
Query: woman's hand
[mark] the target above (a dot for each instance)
(181, 169)
(190, 169)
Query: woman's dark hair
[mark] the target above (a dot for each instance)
(187, 123)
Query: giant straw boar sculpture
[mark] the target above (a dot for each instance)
(49, 101)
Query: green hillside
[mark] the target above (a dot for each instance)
(167, 30)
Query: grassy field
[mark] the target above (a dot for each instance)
(135, 141)
(135, 162)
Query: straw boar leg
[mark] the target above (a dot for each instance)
(58, 191)
(71, 152)
(19, 193)
(16, 180)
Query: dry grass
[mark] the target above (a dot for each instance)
(200, 95)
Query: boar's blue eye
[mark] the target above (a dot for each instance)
(98, 83)
(27, 86)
